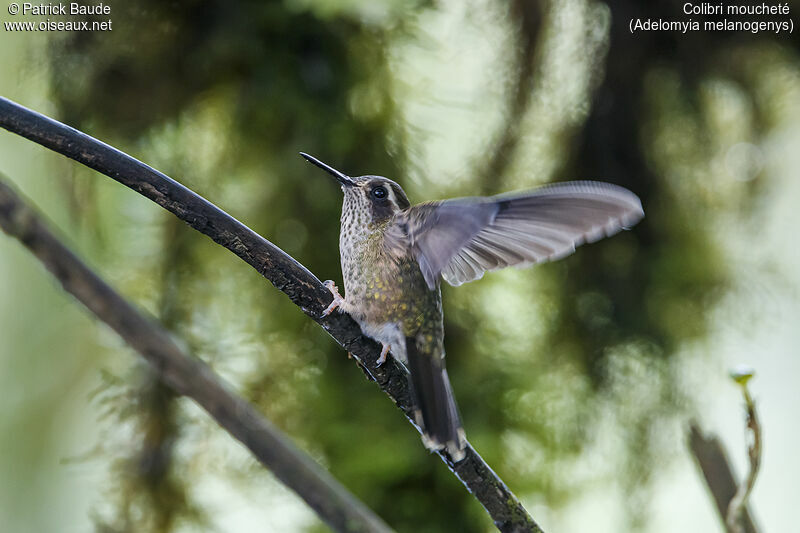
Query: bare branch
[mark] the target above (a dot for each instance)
(713, 461)
(302, 287)
(187, 375)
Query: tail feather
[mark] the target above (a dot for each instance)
(436, 411)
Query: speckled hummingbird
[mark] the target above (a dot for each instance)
(393, 255)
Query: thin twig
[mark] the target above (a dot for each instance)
(302, 287)
(737, 505)
(188, 376)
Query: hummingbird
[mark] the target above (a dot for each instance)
(394, 256)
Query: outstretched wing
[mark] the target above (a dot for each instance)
(463, 238)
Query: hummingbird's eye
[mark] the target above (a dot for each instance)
(379, 192)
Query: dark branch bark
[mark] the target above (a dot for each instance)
(713, 462)
(188, 376)
(302, 287)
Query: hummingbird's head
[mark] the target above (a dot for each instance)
(376, 196)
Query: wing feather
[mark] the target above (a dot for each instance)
(463, 238)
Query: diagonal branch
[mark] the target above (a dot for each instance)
(717, 472)
(289, 276)
(189, 376)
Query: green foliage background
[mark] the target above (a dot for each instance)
(569, 376)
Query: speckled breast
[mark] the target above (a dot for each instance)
(382, 286)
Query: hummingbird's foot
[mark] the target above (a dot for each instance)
(384, 353)
(337, 298)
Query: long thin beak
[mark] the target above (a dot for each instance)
(343, 178)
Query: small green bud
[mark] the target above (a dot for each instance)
(741, 374)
